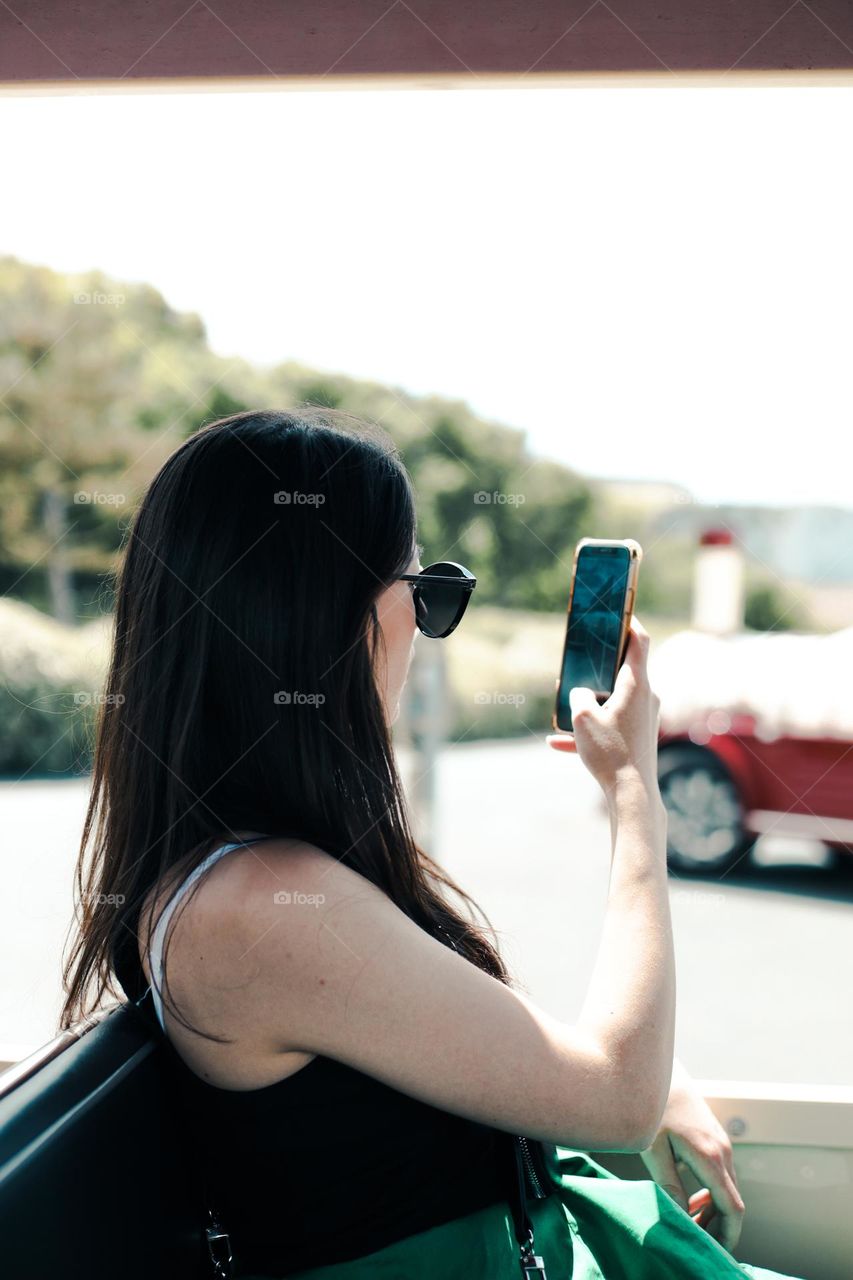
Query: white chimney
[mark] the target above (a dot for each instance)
(718, 584)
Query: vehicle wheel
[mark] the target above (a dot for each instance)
(705, 830)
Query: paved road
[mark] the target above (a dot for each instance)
(764, 956)
(765, 963)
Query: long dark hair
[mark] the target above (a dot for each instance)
(248, 587)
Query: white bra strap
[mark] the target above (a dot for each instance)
(158, 937)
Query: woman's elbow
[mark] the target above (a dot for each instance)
(645, 1126)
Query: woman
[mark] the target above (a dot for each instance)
(352, 1053)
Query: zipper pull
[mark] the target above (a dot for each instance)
(219, 1248)
(532, 1264)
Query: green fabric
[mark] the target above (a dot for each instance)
(622, 1227)
(593, 1226)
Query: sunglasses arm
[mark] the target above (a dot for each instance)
(469, 583)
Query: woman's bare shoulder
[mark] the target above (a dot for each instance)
(216, 930)
(290, 951)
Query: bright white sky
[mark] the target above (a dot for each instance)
(652, 282)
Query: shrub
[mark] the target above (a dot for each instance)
(50, 677)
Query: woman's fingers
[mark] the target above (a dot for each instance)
(700, 1201)
(703, 1211)
(659, 1159)
(637, 625)
(580, 699)
(726, 1220)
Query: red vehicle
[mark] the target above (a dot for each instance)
(726, 789)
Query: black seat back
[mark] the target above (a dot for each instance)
(95, 1179)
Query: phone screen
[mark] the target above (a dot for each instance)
(595, 622)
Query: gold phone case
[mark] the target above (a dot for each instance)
(636, 556)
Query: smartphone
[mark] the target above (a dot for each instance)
(598, 620)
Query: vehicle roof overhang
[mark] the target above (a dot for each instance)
(50, 45)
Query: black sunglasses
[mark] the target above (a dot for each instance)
(441, 594)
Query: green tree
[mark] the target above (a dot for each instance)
(768, 608)
(85, 392)
(99, 381)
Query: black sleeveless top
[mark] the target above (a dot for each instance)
(328, 1164)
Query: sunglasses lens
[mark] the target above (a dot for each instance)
(439, 605)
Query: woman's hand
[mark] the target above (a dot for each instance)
(690, 1136)
(621, 734)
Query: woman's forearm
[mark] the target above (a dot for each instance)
(630, 1002)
